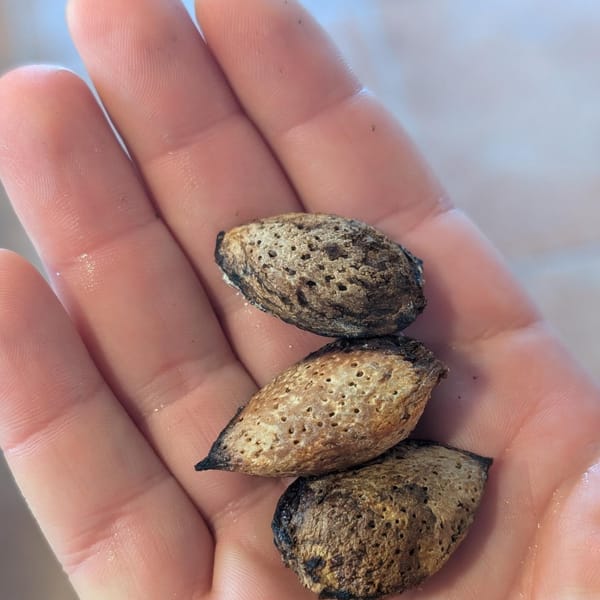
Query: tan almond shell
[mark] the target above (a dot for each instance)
(381, 528)
(333, 276)
(341, 406)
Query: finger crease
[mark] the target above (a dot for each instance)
(350, 97)
(107, 527)
(174, 145)
(393, 220)
(41, 430)
(175, 381)
(83, 255)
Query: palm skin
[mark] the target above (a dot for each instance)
(110, 394)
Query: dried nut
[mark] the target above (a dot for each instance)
(342, 405)
(332, 276)
(380, 528)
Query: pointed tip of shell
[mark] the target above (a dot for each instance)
(205, 464)
(211, 463)
(484, 461)
(219, 241)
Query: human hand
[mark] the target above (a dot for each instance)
(106, 404)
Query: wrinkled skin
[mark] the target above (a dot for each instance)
(111, 392)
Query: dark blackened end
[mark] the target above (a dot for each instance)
(418, 300)
(282, 527)
(410, 316)
(218, 256)
(213, 462)
(206, 464)
(230, 273)
(484, 461)
(218, 458)
(417, 266)
(230, 276)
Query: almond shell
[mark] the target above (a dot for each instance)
(326, 274)
(380, 528)
(341, 406)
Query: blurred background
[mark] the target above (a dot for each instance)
(503, 99)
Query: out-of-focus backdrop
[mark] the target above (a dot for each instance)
(503, 99)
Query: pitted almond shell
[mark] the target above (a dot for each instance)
(380, 528)
(333, 276)
(341, 406)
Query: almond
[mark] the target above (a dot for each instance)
(333, 276)
(342, 405)
(380, 528)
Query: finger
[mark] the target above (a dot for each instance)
(569, 540)
(88, 475)
(346, 154)
(134, 297)
(293, 82)
(205, 164)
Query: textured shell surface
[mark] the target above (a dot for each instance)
(380, 528)
(342, 405)
(323, 273)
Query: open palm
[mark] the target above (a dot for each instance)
(108, 398)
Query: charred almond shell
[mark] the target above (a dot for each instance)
(332, 276)
(380, 528)
(341, 406)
